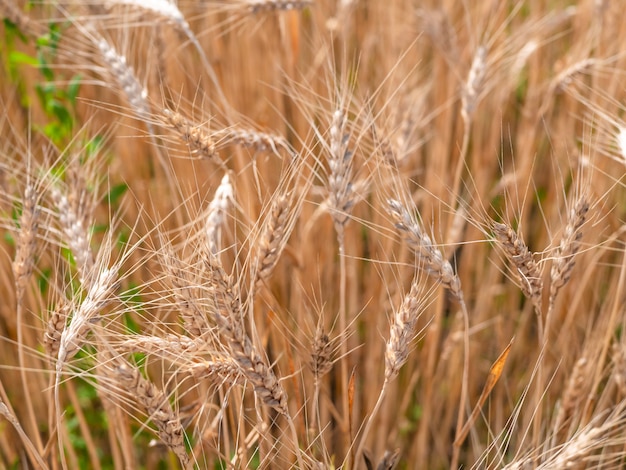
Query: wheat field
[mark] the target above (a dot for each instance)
(355, 234)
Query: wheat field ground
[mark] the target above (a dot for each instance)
(313, 234)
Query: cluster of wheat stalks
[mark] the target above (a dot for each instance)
(356, 234)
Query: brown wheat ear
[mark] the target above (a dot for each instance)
(199, 140)
(528, 272)
(228, 316)
(26, 243)
(157, 406)
(273, 239)
(429, 256)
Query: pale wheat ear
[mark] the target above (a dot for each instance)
(563, 262)
(571, 400)
(172, 13)
(264, 6)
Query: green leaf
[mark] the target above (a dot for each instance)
(73, 88)
(116, 193)
(94, 145)
(17, 57)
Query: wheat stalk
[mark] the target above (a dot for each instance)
(33, 455)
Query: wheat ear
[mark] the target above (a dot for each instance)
(192, 314)
(222, 201)
(228, 316)
(262, 6)
(527, 270)
(26, 243)
(402, 332)
(273, 239)
(171, 12)
(199, 140)
(159, 410)
(563, 262)
(99, 295)
(125, 76)
(572, 396)
(76, 234)
(429, 256)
